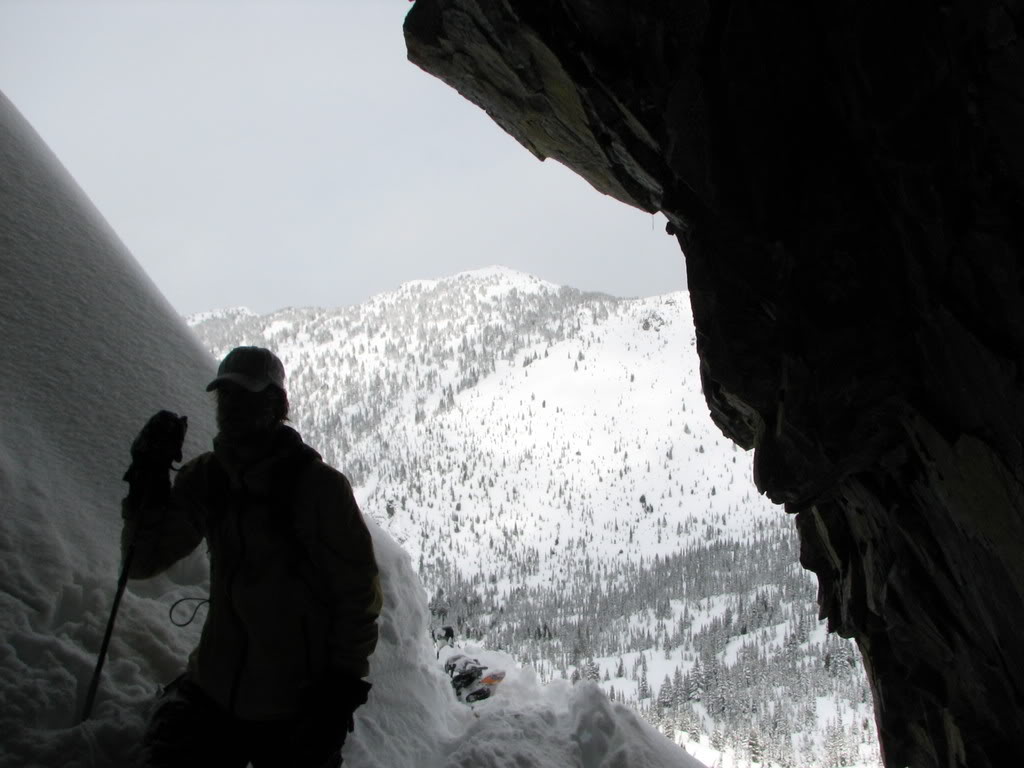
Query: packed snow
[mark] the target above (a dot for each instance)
(91, 350)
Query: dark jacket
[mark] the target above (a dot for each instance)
(294, 589)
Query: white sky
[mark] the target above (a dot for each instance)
(286, 154)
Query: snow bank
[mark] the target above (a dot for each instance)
(412, 707)
(91, 350)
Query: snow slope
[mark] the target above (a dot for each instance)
(91, 350)
(547, 459)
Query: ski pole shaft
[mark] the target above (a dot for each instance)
(157, 446)
(94, 684)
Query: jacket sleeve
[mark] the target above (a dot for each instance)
(163, 523)
(341, 549)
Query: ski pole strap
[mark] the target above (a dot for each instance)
(200, 602)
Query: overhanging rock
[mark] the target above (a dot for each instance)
(846, 182)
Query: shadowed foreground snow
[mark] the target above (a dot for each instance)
(91, 350)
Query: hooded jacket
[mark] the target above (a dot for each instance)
(294, 587)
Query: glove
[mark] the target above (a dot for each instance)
(160, 441)
(324, 720)
(337, 698)
(358, 693)
(157, 446)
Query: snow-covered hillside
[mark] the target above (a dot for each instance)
(547, 459)
(90, 351)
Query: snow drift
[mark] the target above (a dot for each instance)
(91, 350)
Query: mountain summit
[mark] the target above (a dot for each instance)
(500, 280)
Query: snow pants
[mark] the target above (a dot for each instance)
(189, 729)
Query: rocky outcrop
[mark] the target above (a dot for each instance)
(845, 180)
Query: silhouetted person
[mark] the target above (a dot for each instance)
(294, 591)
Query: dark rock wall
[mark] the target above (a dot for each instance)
(845, 180)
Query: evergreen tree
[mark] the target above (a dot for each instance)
(644, 689)
(666, 695)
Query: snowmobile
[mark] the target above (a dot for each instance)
(471, 680)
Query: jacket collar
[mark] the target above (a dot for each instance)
(252, 464)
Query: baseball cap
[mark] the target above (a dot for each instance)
(253, 368)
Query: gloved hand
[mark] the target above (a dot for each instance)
(161, 439)
(157, 446)
(324, 720)
(358, 693)
(336, 699)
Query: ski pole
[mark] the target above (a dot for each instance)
(155, 449)
(122, 583)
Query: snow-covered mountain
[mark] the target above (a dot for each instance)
(547, 459)
(90, 351)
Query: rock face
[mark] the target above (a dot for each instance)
(845, 180)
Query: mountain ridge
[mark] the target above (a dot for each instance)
(547, 459)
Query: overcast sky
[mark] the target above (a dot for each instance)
(287, 154)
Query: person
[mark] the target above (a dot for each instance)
(294, 590)
(444, 637)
